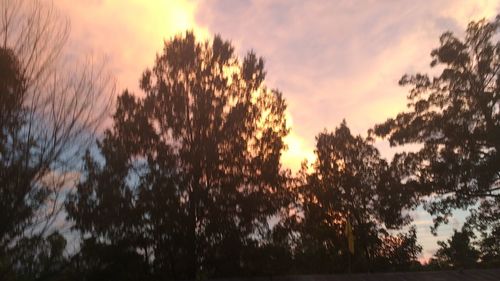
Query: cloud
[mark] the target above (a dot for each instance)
(333, 60)
(339, 59)
(128, 33)
(297, 149)
(464, 12)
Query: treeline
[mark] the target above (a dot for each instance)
(186, 182)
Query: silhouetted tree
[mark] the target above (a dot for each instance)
(456, 117)
(39, 258)
(191, 173)
(347, 182)
(458, 251)
(489, 247)
(486, 221)
(47, 117)
(398, 252)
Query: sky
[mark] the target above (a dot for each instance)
(332, 60)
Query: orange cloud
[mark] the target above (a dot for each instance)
(465, 11)
(127, 32)
(298, 149)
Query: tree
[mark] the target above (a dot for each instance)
(489, 247)
(191, 173)
(455, 116)
(40, 258)
(458, 251)
(485, 221)
(398, 252)
(48, 115)
(347, 183)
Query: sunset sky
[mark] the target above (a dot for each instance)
(332, 60)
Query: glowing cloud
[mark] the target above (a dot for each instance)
(298, 150)
(127, 32)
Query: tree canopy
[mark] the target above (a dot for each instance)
(458, 251)
(191, 172)
(456, 117)
(48, 117)
(187, 180)
(347, 183)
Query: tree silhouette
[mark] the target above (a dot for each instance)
(347, 183)
(191, 173)
(485, 221)
(489, 247)
(48, 115)
(456, 117)
(187, 182)
(398, 252)
(458, 251)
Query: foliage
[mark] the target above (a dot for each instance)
(191, 173)
(485, 221)
(187, 182)
(456, 117)
(399, 252)
(347, 183)
(458, 251)
(48, 116)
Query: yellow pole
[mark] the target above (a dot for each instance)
(350, 241)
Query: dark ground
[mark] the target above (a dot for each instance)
(471, 274)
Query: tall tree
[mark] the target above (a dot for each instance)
(398, 252)
(486, 221)
(48, 115)
(455, 116)
(347, 183)
(458, 251)
(191, 172)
